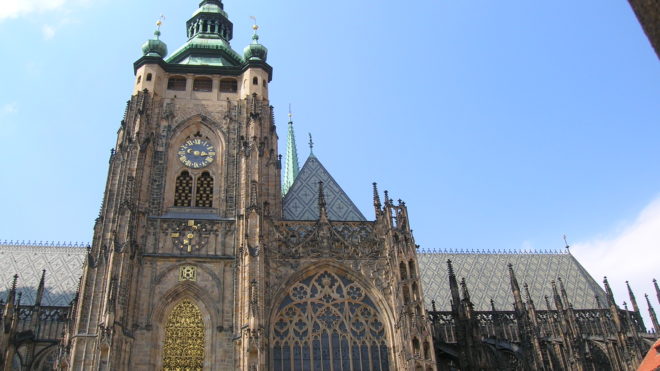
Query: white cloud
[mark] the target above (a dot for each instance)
(48, 31)
(631, 253)
(9, 108)
(19, 8)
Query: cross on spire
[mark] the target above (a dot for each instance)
(311, 145)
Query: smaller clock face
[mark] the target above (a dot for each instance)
(196, 153)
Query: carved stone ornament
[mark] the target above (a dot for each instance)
(343, 240)
(190, 235)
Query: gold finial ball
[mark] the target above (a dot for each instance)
(290, 115)
(255, 27)
(158, 23)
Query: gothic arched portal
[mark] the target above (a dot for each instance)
(328, 322)
(184, 338)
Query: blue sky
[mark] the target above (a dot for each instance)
(503, 125)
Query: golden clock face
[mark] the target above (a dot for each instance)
(196, 153)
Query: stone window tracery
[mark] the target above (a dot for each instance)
(184, 339)
(328, 322)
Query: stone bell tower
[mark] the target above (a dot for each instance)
(170, 281)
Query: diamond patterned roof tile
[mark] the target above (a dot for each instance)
(301, 201)
(487, 277)
(63, 265)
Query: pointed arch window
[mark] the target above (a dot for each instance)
(183, 190)
(204, 191)
(184, 338)
(328, 322)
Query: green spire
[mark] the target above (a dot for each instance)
(291, 167)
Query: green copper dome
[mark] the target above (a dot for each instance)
(255, 51)
(155, 47)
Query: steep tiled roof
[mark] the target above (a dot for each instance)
(487, 278)
(63, 265)
(301, 201)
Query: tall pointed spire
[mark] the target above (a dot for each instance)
(654, 318)
(657, 289)
(555, 294)
(291, 167)
(41, 288)
(377, 204)
(453, 287)
(311, 146)
(608, 291)
(515, 289)
(633, 301)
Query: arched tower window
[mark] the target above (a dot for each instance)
(176, 83)
(411, 265)
(228, 85)
(183, 190)
(184, 339)
(204, 191)
(328, 322)
(416, 350)
(406, 294)
(402, 269)
(255, 81)
(202, 84)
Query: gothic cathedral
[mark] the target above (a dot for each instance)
(194, 264)
(205, 258)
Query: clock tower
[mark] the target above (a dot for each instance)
(194, 171)
(200, 262)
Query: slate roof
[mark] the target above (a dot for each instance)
(301, 201)
(487, 277)
(63, 265)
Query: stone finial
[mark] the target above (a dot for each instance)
(633, 300)
(13, 285)
(654, 318)
(555, 293)
(41, 288)
(515, 288)
(608, 291)
(562, 289)
(464, 289)
(547, 302)
(528, 297)
(323, 213)
(377, 204)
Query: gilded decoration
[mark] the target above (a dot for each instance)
(188, 273)
(184, 339)
(328, 322)
(191, 235)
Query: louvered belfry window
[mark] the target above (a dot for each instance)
(204, 191)
(328, 322)
(183, 190)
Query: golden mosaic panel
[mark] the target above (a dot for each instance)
(184, 339)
